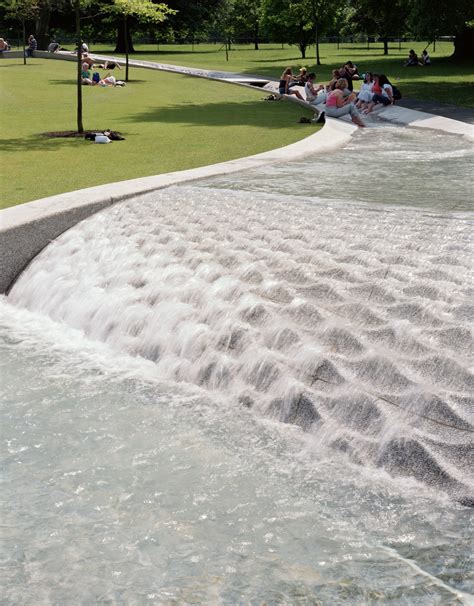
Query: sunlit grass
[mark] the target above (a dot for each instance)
(170, 122)
(443, 81)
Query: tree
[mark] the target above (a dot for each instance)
(299, 22)
(289, 22)
(23, 11)
(78, 4)
(381, 17)
(191, 19)
(247, 17)
(45, 8)
(143, 10)
(319, 14)
(464, 43)
(226, 24)
(430, 19)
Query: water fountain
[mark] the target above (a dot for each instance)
(254, 387)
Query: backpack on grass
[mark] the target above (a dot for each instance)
(397, 95)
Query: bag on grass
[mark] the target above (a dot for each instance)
(397, 95)
(114, 136)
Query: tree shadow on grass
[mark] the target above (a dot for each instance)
(297, 60)
(13, 63)
(39, 143)
(65, 82)
(147, 53)
(74, 82)
(230, 113)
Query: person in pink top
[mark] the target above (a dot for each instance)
(338, 105)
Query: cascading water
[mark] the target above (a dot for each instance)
(281, 299)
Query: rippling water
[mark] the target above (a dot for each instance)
(255, 389)
(383, 165)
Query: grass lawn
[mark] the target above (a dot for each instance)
(173, 122)
(170, 122)
(443, 81)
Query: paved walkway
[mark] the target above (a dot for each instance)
(463, 114)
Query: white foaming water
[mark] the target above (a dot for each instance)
(119, 489)
(220, 312)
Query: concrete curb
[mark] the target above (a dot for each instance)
(412, 117)
(27, 228)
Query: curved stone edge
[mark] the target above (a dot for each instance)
(412, 117)
(27, 228)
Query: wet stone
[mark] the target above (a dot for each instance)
(300, 411)
(409, 457)
(246, 401)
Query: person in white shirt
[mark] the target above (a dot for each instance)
(314, 94)
(425, 58)
(385, 98)
(365, 94)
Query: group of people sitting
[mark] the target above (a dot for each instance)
(338, 95)
(91, 78)
(414, 61)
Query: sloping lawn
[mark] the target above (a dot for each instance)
(443, 81)
(170, 122)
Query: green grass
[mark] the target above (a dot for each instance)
(170, 122)
(444, 81)
(173, 122)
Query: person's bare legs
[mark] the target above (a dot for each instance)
(297, 93)
(357, 120)
(369, 108)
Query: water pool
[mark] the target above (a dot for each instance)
(254, 389)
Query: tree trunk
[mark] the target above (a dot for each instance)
(318, 58)
(255, 36)
(464, 44)
(42, 26)
(302, 46)
(24, 38)
(77, 8)
(125, 31)
(120, 42)
(385, 46)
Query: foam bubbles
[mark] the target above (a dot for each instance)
(330, 316)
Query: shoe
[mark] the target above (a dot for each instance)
(321, 119)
